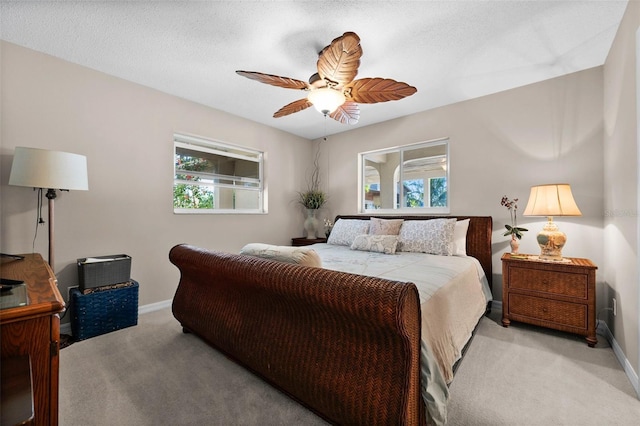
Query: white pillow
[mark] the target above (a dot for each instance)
(377, 243)
(433, 236)
(305, 256)
(346, 230)
(460, 237)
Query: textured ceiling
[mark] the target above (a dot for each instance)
(449, 50)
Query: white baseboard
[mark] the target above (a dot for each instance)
(152, 307)
(144, 309)
(603, 329)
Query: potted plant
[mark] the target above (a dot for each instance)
(514, 230)
(312, 199)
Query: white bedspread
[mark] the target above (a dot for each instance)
(453, 296)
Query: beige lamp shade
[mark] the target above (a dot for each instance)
(41, 168)
(551, 200)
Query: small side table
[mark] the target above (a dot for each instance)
(558, 295)
(302, 241)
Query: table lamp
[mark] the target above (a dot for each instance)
(50, 170)
(551, 200)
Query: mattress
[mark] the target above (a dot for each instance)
(454, 293)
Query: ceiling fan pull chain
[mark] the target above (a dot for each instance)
(325, 128)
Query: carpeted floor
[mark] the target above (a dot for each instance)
(526, 375)
(153, 374)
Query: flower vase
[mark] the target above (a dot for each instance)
(515, 244)
(311, 224)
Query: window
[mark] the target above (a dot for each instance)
(406, 178)
(371, 188)
(215, 177)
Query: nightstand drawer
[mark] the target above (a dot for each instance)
(554, 311)
(567, 284)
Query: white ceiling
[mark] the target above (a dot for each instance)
(449, 50)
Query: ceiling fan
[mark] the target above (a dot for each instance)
(333, 90)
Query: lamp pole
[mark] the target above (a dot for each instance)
(51, 196)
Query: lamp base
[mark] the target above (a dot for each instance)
(551, 241)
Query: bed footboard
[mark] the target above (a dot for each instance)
(344, 345)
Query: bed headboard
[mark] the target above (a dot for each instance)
(478, 235)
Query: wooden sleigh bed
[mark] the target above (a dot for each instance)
(348, 346)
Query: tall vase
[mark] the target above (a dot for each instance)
(311, 224)
(515, 244)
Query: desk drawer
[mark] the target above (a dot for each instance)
(553, 311)
(567, 284)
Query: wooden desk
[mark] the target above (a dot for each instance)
(34, 330)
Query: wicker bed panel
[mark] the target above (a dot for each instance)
(346, 346)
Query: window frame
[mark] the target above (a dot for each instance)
(216, 147)
(362, 165)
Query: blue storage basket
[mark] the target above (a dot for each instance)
(103, 311)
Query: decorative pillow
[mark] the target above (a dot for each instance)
(378, 243)
(433, 236)
(385, 226)
(299, 255)
(460, 237)
(346, 230)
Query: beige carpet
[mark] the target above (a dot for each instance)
(525, 375)
(152, 374)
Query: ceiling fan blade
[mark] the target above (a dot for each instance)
(295, 106)
(347, 113)
(339, 61)
(274, 80)
(374, 90)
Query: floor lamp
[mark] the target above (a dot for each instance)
(50, 170)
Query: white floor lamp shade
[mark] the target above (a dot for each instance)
(50, 170)
(41, 168)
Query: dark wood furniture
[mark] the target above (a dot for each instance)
(557, 295)
(34, 331)
(345, 345)
(303, 241)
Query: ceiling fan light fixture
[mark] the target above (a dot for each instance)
(326, 100)
(334, 83)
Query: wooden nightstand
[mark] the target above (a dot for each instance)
(302, 241)
(558, 295)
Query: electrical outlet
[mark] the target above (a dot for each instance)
(615, 307)
(69, 291)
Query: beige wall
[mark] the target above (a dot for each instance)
(126, 131)
(500, 144)
(621, 180)
(553, 131)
